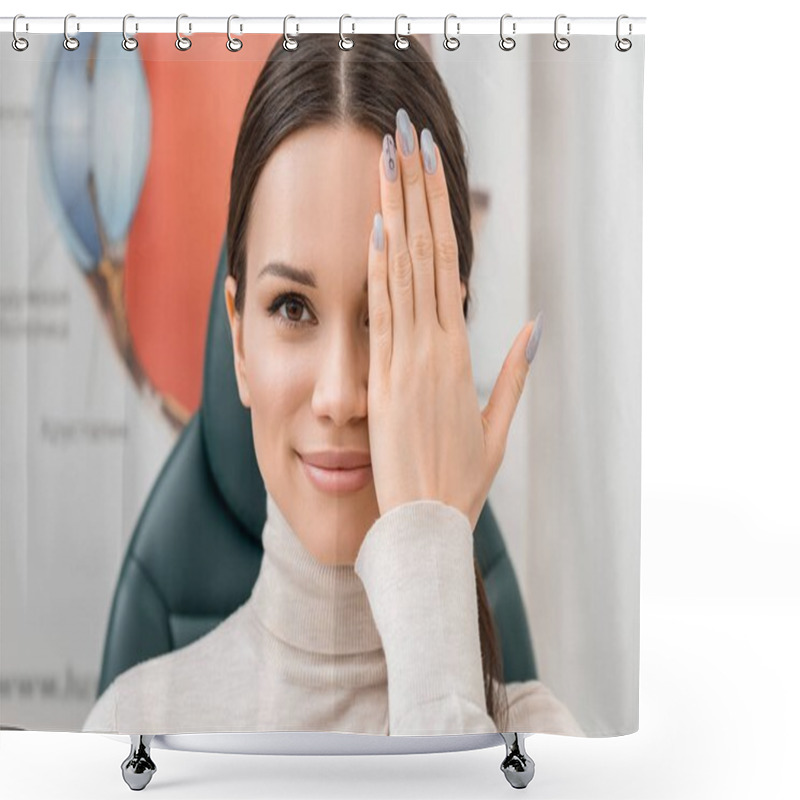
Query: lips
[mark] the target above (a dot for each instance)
(337, 472)
(337, 459)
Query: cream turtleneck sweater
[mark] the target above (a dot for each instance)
(389, 645)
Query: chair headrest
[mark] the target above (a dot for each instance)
(226, 423)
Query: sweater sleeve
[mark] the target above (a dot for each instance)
(416, 564)
(103, 715)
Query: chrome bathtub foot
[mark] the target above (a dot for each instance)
(517, 766)
(138, 767)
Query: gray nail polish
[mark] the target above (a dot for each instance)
(377, 231)
(389, 157)
(406, 134)
(428, 151)
(533, 342)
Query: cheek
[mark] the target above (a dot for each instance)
(276, 386)
(279, 380)
(277, 397)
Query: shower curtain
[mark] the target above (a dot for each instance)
(320, 384)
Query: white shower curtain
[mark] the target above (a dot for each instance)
(553, 152)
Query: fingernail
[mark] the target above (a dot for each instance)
(377, 231)
(428, 151)
(533, 342)
(406, 134)
(389, 157)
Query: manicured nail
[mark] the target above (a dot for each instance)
(389, 157)
(406, 134)
(428, 151)
(377, 231)
(533, 342)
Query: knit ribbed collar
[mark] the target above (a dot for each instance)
(312, 606)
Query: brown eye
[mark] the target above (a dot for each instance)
(294, 304)
(298, 308)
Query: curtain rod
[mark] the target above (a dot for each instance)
(297, 25)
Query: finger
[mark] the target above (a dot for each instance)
(449, 302)
(380, 309)
(510, 383)
(399, 267)
(418, 227)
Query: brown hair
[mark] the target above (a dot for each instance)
(364, 86)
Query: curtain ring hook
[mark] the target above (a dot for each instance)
(182, 42)
(70, 42)
(129, 43)
(289, 42)
(18, 43)
(401, 42)
(451, 42)
(507, 42)
(233, 44)
(344, 42)
(560, 43)
(623, 45)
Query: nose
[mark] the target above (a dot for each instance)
(340, 391)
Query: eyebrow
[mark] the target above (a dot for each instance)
(304, 276)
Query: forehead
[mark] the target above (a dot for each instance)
(314, 202)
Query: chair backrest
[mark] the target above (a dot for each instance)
(196, 550)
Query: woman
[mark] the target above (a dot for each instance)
(350, 252)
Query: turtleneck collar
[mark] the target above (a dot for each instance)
(312, 606)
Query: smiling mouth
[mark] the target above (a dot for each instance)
(337, 459)
(337, 479)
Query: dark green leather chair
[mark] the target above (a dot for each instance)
(196, 551)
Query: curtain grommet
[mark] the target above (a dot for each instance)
(401, 42)
(623, 44)
(182, 42)
(233, 44)
(561, 43)
(289, 42)
(70, 42)
(18, 42)
(129, 43)
(344, 42)
(451, 42)
(507, 42)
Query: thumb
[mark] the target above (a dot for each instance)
(510, 382)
